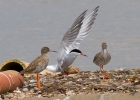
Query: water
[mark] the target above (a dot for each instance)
(28, 25)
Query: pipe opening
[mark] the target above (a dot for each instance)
(12, 66)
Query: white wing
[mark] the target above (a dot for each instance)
(76, 34)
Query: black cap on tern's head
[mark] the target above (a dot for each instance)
(45, 50)
(78, 52)
(104, 45)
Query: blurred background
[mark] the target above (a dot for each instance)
(28, 25)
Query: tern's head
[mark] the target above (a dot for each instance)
(45, 50)
(77, 52)
(104, 45)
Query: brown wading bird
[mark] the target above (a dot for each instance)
(102, 58)
(38, 65)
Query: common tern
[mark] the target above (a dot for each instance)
(38, 65)
(69, 46)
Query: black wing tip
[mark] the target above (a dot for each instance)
(94, 9)
(85, 10)
(83, 13)
(97, 7)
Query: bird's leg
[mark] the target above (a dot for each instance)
(107, 75)
(64, 73)
(103, 75)
(38, 82)
(101, 69)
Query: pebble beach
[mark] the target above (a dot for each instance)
(78, 83)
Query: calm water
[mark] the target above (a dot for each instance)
(27, 25)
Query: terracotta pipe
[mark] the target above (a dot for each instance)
(13, 64)
(10, 80)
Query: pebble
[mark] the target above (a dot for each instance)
(21, 96)
(2, 96)
(33, 81)
(25, 89)
(10, 95)
(39, 96)
(39, 92)
(17, 90)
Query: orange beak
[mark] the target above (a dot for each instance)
(83, 54)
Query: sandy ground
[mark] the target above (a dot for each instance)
(110, 96)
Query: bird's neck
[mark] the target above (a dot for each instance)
(104, 51)
(43, 53)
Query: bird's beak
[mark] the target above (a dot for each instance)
(52, 51)
(83, 54)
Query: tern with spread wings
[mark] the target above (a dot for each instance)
(69, 48)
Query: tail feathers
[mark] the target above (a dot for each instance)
(53, 68)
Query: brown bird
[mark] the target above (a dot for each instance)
(38, 65)
(102, 58)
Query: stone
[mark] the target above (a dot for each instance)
(10, 95)
(2, 96)
(39, 96)
(32, 81)
(25, 89)
(39, 92)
